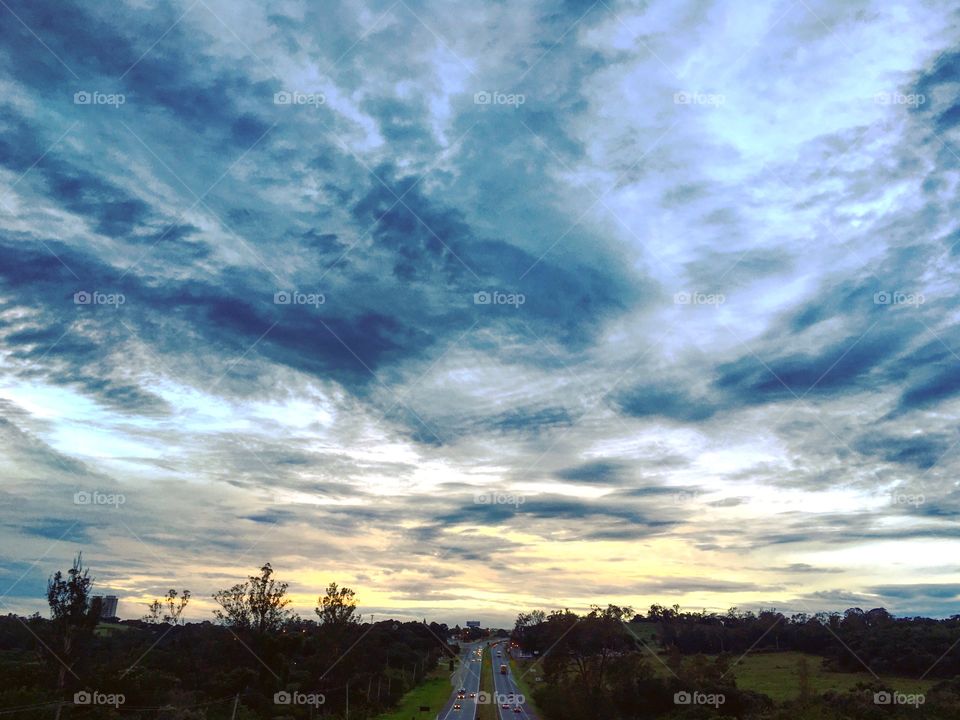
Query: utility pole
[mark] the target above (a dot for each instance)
(348, 700)
(236, 701)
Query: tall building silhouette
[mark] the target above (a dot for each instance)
(108, 606)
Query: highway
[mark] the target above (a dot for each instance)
(504, 685)
(467, 677)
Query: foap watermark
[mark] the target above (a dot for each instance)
(898, 698)
(86, 97)
(698, 298)
(698, 98)
(699, 698)
(898, 497)
(98, 698)
(899, 98)
(294, 97)
(82, 497)
(485, 698)
(293, 297)
(298, 698)
(898, 297)
(86, 297)
(499, 98)
(498, 498)
(495, 297)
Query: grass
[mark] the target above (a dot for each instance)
(110, 628)
(775, 674)
(647, 632)
(434, 692)
(526, 680)
(488, 711)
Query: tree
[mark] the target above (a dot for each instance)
(258, 604)
(174, 608)
(337, 606)
(73, 612)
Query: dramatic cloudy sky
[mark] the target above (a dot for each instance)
(719, 365)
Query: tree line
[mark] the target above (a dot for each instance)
(616, 664)
(255, 659)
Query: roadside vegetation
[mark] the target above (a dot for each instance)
(433, 693)
(524, 675)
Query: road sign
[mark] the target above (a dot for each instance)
(473, 623)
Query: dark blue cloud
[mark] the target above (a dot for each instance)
(111, 209)
(673, 403)
(941, 591)
(933, 85)
(922, 451)
(526, 420)
(842, 367)
(65, 529)
(599, 471)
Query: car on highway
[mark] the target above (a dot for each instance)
(456, 706)
(517, 709)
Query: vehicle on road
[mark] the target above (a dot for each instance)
(503, 669)
(456, 706)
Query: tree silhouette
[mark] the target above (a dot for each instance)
(259, 604)
(337, 606)
(73, 612)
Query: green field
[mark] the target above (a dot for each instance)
(775, 674)
(109, 628)
(433, 692)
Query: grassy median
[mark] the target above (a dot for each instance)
(488, 711)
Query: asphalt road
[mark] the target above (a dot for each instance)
(468, 678)
(505, 685)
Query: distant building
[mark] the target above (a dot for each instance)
(108, 606)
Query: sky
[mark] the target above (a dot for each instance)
(482, 307)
